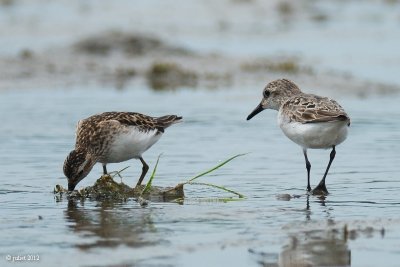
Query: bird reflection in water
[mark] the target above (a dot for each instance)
(110, 225)
(313, 247)
(316, 247)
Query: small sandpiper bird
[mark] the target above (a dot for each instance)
(310, 121)
(112, 137)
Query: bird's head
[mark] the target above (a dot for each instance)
(77, 166)
(274, 95)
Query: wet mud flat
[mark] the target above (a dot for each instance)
(125, 59)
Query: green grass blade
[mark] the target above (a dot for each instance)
(153, 174)
(214, 168)
(115, 173)
(219, 187)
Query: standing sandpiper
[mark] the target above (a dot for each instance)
(310, 121)
(113, 137)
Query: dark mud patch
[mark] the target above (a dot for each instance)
(105, 188)
(126, 43)
(162, 75)
(278, 65)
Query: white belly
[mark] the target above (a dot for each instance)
(130, 144)
(315, 135)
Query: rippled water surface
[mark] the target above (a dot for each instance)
(358, 224)
(276, 224)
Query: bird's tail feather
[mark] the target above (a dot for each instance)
(168, 120)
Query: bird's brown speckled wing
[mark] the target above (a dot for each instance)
(91, 132)
(312, 108)
(143, 122)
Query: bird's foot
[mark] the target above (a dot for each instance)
(320, 190)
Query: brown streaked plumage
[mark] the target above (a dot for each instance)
(308, 108)
(112, 137)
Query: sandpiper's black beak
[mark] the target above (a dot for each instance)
(71, 186)
(257, 110)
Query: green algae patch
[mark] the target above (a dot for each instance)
(129, 44)
(168, 75)
(105, 188)
(279, 65)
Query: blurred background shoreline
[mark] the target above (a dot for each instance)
(345, 46)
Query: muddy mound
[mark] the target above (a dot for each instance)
(127, 43)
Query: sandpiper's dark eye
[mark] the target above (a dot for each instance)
(266, 93)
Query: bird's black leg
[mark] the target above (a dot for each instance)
(104, 169)
(308, 166)
(145, 168)
(321, 187)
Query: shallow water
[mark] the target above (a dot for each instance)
(277, 224)
(261, 230)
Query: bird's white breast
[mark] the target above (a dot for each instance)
(314, 135)
(130, 143)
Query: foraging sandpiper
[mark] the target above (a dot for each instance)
(113, 137)
(310, 121)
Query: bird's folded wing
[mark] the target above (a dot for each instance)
(142, 121)
(323, 116)
(313, 109)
